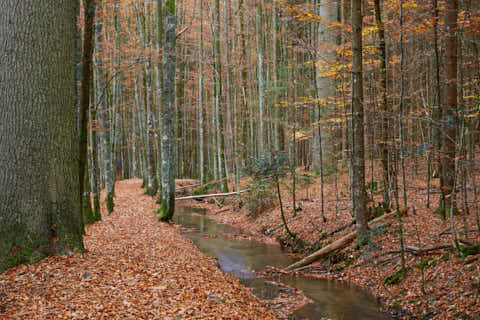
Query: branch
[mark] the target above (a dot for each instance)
(212, 195)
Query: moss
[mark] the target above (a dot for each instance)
(440, 211)
(68, 245)
(28, 255)
(363, 240)
(205, 189)
(166, 209)
(20, 246)
(110, 204)
(395, 277)
(349, 262)
(470, 250)
(170, 6)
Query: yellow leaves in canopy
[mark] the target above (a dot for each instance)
(337, 120)
(407, 4)
(300, 135)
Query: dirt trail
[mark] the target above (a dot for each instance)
(134, 268)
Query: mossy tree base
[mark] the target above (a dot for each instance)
(166, 210)
(110, 203)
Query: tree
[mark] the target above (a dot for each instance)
(167, 199)
(450, 107)
(40, 209)
(322, 151)
(88, 46)
(104, 123)
(358, 147)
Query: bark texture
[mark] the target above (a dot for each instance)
(325, 83)
(40, 209)
(358, 147)
(167, 199)
(88, 45)
(450, 107)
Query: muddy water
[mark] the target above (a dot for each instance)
(242, 258)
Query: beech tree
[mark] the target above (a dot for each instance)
(167, 197)
(40, 209)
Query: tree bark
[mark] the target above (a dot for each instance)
(385, 135)
(40, 209)
(325, 85)
(104, 123)
(167, 199)
(358, 158)
(450, 107)
(86, 84)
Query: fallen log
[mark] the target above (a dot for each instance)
(342, 242)
(211, 195)
(219, 211)
(419, 251)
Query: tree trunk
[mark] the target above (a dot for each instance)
(385, 136)
(102, 110)
(39, 188)
(200, 97)
(261, 83)
(167, 199)
(325, 84)
(450, 107)
(88, 45)
(358, 147)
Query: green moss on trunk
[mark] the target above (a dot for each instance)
(167, 208)
(110, 204)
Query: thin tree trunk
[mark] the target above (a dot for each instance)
(200, 97)
(385, 152)
(167, 199)
(105, 128)
(450, 107)
(358, 147)
(261, 83)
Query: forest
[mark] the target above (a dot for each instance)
(240, 159)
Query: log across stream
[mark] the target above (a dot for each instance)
(241, 258)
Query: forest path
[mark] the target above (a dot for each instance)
(134, 268)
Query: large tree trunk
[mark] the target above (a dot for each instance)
(325, 84)
(167, 199)
(358, 147)
(39, 188)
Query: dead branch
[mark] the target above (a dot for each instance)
(342, 242)
(211, 195)
(189, 186)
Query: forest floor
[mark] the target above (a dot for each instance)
(452, 283)
(134, 267)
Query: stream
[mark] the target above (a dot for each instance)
(241, 258)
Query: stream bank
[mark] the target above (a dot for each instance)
(247, 259)
(452, 284)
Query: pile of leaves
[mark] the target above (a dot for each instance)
(134, 268)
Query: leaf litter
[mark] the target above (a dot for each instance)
(452, 284)
(134, 267)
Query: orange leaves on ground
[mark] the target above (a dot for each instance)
(134, 268)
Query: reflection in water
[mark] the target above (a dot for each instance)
(242, 257)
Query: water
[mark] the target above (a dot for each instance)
(242, 258)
